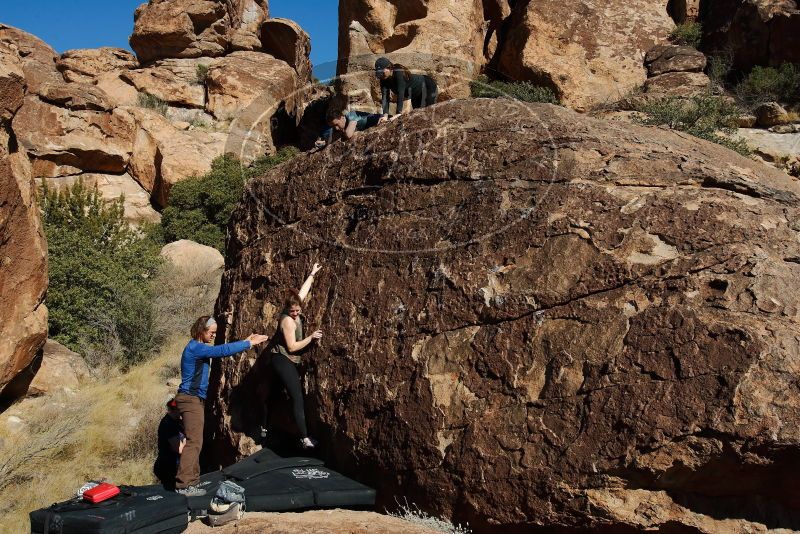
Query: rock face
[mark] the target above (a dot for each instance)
(443, 38)
(539, 320)
(196, 28)
(589, 52)
(285, 40)
(662, 59)
(757, 32)
(23, 256)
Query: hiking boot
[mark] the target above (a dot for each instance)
(308, 443)
(191, 491)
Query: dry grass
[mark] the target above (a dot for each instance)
(107, 429)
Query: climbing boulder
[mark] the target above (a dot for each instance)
(196, 28)
(532, 319)
(61, 370)
(589, 52)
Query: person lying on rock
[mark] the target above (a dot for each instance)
(171, 440)
(195, 362)
(347, 123)
(395, 78)
(287, 347)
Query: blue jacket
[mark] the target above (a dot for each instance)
(195, 362)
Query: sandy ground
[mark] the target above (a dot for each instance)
(314, 522)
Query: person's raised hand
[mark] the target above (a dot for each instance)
(317, 334)
(315, 269)
(319, 143)
(383, 119)
(256, 339)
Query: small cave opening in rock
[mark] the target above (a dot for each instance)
(284, 128)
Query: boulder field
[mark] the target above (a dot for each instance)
(532, 319)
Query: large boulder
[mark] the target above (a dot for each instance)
(530, 315)
(441, 38)
(23, 256)
(163, 155)
(86, 65)
(199, 267)
(35, 58)
(285, 39)
(178, 82)
(674, 58)
(196, 28)
(57, 137)
(755, 32)
(589, 52)
(60, 370)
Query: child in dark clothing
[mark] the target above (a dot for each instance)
(171, 440)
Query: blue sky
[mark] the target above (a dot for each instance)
(66, 24)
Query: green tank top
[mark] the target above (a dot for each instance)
(280, 343)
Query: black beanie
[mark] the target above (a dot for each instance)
(382, 63)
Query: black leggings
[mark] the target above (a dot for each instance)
(428, 95)
(287, 371)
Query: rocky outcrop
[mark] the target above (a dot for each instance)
(86, 65)
(589, 52)
(537, 314)
(441, 38)
(175, 81)
(755, 32)
(61, 370)
(196, 28)
(285, 40)
(194, 261)
(662, 59)
(23, 257)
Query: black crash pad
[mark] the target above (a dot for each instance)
(136, 510)
(253, 466)
(330, 488)
(275, 491)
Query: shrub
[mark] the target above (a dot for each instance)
(100, 271)
(687, 33)
(146, 100)
(201, 71)
(703, 116)
(413, 514)
(770, 84)
(524, 91)
(200, 207)
(719, 67)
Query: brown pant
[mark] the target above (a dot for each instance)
(192, 411)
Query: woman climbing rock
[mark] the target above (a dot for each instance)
(419, 88)
(348, 123)
(287, 348)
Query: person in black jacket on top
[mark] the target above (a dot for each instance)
(419, 88)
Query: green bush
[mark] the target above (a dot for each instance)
(100, 270)
(687, 33)
(524, 91)
(200, 207)
(704, 116)
(719, 67)
(146, 100)
(770, 84)
(201, 71)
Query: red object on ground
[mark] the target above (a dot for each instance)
(101, 493)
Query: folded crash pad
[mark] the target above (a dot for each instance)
(136, 510)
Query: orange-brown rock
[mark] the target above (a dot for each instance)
(589, 52)
(35, 58)
(60, 370)
(756, 32)
(674, 58)
(163, 155)
(529, 313)
(251, 88)
(285, 39)
(92, 141)
(23, 257)
(175, 81)
(441, 38)
(196, 28)
(86, 65)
